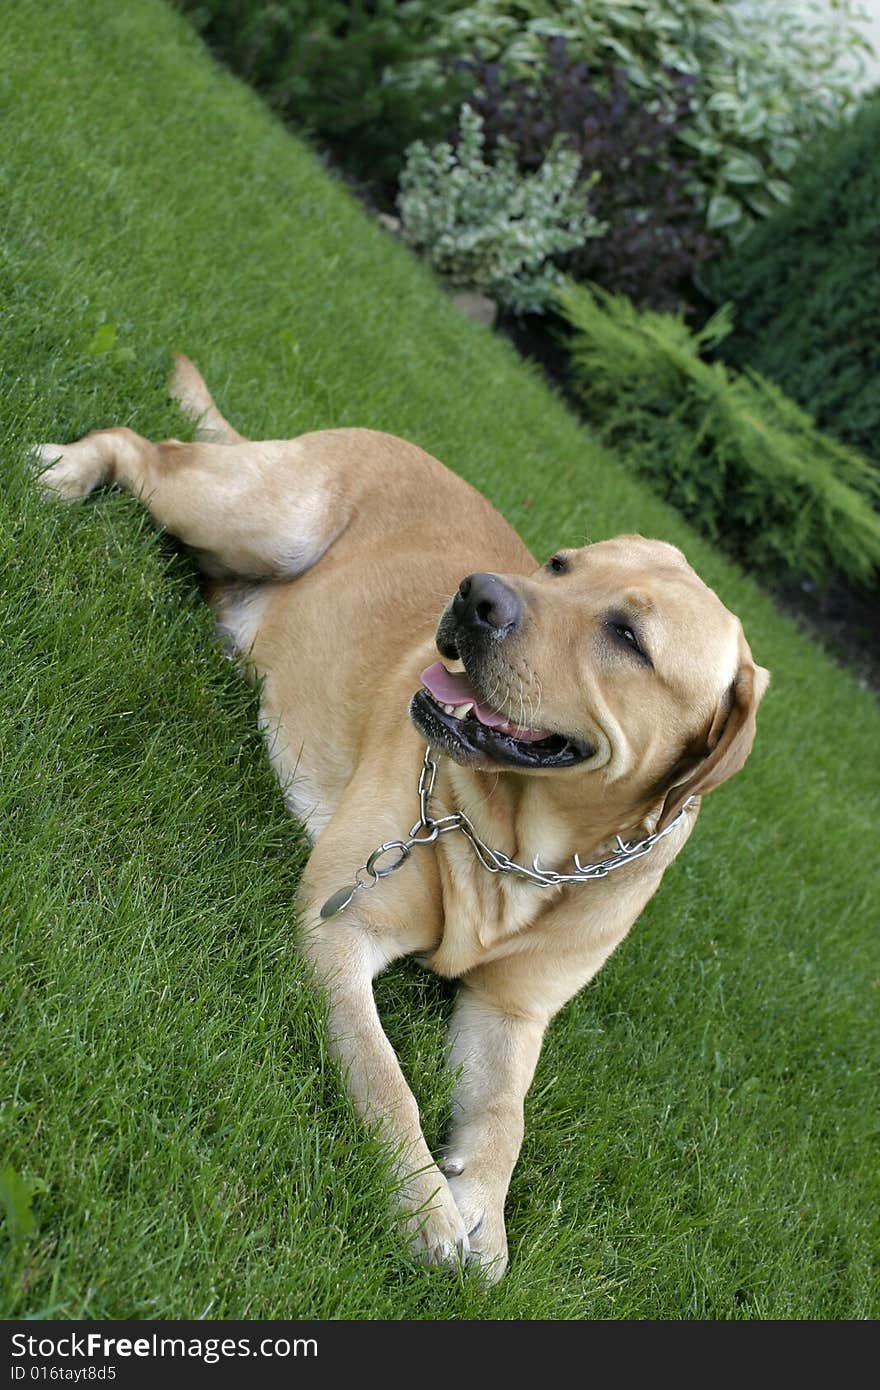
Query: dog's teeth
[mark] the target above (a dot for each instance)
(448, 709)
(461, 710)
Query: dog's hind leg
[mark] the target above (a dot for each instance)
(248, 510)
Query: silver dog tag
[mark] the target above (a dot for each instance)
(338, 902)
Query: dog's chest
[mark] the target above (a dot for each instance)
(484, 915)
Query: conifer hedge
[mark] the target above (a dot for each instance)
(805, 285)
(740, 460)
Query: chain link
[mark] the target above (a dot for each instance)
(496, 862)
(493, 860)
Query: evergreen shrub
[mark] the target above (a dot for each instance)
(735, 455)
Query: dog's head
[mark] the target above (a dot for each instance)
(615, 658)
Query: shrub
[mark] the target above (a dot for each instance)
(761, 88)
(656, 234)
(806, 285)
(489, 227)
(364, 76)
(736, 456)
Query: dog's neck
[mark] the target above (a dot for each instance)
(525, 816)
(522, 818)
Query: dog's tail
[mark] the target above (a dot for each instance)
(186, 386)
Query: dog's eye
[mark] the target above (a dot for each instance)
(625, 633)
(557, 565)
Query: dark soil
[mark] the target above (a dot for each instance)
(845, 620)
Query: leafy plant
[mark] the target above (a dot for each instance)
(489, 227)
(761, 88)
(736, 456)
(656, 233)
(806, 285)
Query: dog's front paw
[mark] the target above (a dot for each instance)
(68, 471)
(436, 1229)
(483, 1216)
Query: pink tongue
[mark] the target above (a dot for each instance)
(454, 688)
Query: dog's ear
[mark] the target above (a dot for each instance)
(728, 742)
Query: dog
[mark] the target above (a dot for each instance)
(448, 774)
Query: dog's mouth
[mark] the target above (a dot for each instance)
(452, 715)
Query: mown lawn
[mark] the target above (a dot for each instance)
(698, 1137)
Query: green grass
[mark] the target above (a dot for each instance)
(698, 1134)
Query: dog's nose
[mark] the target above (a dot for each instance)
(485, 601)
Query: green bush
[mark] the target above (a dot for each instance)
(635, 178)
(363, 76)
(736, 456)
(761, 87)
(487, 226)
(806, 286)
(371, 76)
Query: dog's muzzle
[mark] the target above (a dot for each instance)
(451, 711)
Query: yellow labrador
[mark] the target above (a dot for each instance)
(578, 708)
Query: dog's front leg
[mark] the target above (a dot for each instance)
(494, 1052)
(346, 955)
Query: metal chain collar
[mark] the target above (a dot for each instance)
(492, 860)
